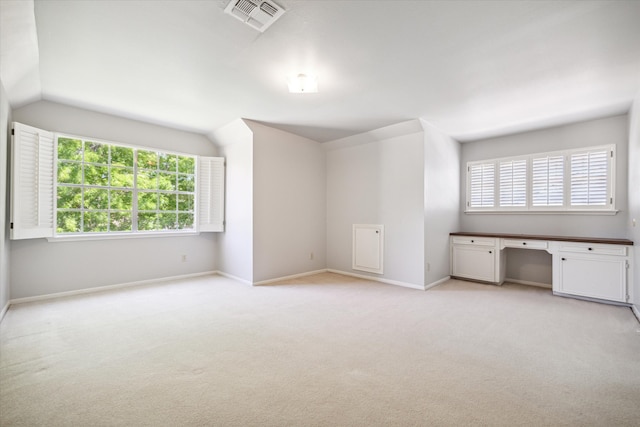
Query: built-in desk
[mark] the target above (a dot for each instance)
(583, 267)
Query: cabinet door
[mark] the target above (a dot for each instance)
(474, 262)
(368, 246)
(594, 277)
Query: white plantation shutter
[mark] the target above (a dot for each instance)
(513, 183)
(547, 181)
(482, 185)
(571, 181)
(211, 193)
(589, 178)
(32, 182)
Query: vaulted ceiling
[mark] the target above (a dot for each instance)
(472, 68)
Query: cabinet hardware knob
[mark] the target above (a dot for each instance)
(472, 241)
(524, 243)
(564, 259)
(490, 252)
(590, 249)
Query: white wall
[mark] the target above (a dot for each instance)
(38, 267)
(76, 121)
(378, 178)
(5, 119)
(530, 266)
(235, 245)
(634, 194)
(289, 200)
(441, 200)
(611, 130)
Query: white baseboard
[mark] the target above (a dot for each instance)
(437, 282)
(4, 310)
(293, 276)
(529, 283)
(598, 300)
(232, 277)
(378, 279)
(107, 288)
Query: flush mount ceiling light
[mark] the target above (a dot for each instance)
(303, 83)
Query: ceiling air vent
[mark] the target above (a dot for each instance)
(256, 13)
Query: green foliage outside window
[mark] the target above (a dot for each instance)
(103, 188)
(69, 149)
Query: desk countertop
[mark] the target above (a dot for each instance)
(555, 238)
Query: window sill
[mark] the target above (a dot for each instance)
(543, 212)
(88, 237)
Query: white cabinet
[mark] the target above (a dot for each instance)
(476, 263)
(592, 271)
(368, 247)
(588, 268)
(476, 258)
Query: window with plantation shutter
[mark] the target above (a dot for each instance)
(569, 181)
(589, 178)
(67, 187)
(482, 185)
(547, 181)
(513, 183)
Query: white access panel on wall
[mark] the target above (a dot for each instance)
(368, 247)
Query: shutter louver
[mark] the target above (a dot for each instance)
(547, 177)
(211, 194)
(32, 187)
(513, 183)
(589, 177)
(482, 183)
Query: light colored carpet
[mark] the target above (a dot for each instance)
(324, 350)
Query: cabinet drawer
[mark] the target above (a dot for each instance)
(594, 249)
(525, 244)
(471, 240)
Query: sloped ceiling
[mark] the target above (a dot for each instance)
(471, 68)
(19, 61)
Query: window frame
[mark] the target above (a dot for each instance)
(135, 231)
(566, 208)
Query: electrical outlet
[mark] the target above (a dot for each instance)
(184, 258)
